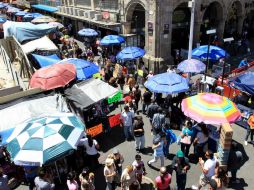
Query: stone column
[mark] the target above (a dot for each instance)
(92, 5)
(221, 27)
(240, 23)
(126, 27)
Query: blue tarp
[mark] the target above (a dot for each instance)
(5, 135)
(45, 8)
(24, 31)
(244, 82)
(45, 61)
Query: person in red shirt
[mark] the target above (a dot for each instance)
(162, 182)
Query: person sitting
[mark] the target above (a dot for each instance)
(243, 63)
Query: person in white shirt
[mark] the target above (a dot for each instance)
(91, 146)
(127, 119)
(201, 140)
(208, 168)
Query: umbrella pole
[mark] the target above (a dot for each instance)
(58, 175)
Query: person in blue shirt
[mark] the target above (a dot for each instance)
(243, 63)
(186, 137)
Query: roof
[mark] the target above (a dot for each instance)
(45, 8)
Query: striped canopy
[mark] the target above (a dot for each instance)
(44, 139)
(211, 109)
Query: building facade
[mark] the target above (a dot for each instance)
(161, 26)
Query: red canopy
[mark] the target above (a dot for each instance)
(54, 76)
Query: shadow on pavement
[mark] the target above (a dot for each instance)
(238, 186)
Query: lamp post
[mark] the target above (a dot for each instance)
(191, 5)
(209, 33)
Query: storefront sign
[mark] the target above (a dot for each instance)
(96, 130)
(118, 96)
(166, 29)
(114, 120)
(150, 28)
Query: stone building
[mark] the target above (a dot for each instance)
(160, 26)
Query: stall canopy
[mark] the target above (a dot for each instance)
(24, 31)
(43, 44)
(244, 82)
(18, 111)
(45, 61)
(45, 8)
(89, 92)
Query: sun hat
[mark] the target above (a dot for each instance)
(109, 162)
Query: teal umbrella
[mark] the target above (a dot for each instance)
(44, 139)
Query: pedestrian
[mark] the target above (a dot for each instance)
(3, 180)
(170, 138)
(139, 168)
(235, 160)
(126, 120)
(71, 182)
(137, 95)
(186, 137)
(201, 141)
(43, 181)
(128, 178)
(151, 110)
(221, 179)
(250, 130)
(208, 168)
(146, 99)
(149, 75)
(118, 161)
(139, 133)
(212, 185)
(158, 121)
(181, 165)
(132, 106)
(157, 147)
(131, 82)
(109, 173)
(91, 146)
(121, 80)
(243, 63)
(86, 180)
(30, 173)
(162, 182)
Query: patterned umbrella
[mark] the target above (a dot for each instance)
(88, 32)
(191, 66)
(44, 139)
(211, 109)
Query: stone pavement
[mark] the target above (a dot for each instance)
(6, 80)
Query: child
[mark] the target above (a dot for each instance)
(139, 168)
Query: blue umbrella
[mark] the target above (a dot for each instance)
(33, 15)
(85, 69)
(5, 134)
(3, 20)
(191, 66)
(2, 6)
(130, 53)
(244, 82)
(167, 83)
(21, 13)
(215, 53)
(45, 61)
(112, 40)
(88, 32)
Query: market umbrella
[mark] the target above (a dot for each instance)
(56, 24)
(215, 53)
(53, 76)
(244, 83)
(3, 20)
(130, 53)
(191, 66)
(21, 13)
(167, 83)
(44, 19)
(87, 32)
(111, 40)
(85, 69)
(45, 61)
(13, 10)
(45, 139)
(33, 15)
(211, 109)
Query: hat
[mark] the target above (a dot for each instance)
(180, 154)
(109, 162)
(115, 151)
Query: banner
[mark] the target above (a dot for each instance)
(114, 120)
(117, 97)
(96, 130)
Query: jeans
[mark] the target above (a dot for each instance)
(181, 181)
(250, 132)
(144, 106)
(128, 132)
(30, 181)
(111, 186)
(233, 174)
(185, 148)
(156, 158)
(140, 142)
(166, 149)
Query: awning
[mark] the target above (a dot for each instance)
(45, 61)
(45, 8)
(86, 93)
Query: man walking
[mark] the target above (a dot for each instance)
(181, 165)
(139, 133)
(158, 122)
(250, 130)
(126, 120)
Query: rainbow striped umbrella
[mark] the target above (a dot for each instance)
(211, 109)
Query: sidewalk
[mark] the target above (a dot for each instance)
(6, 80)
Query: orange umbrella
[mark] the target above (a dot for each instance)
(53, 76)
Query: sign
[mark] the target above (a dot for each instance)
(96, 130)
(118, 96)
(150, 27)
(114, 120)
(166, 29)
(105, 15)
